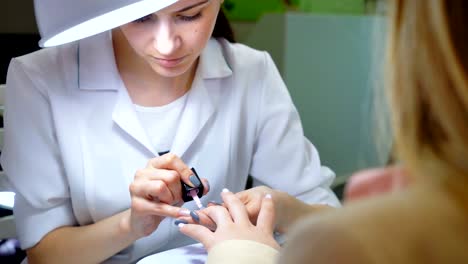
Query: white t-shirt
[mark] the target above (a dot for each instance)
(161, 123)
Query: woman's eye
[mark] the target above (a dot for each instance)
(189, 18)
(143, 19)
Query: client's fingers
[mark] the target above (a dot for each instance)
(199, 233)
(200, 218)
(236, 207)
(266, 216)
(218, 214)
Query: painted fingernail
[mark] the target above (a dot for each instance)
(195, 181)
(180, 225)
(215, 203)
(195, 216)
(225, 190)
(268, 196)
(178, 222)
(184, 212)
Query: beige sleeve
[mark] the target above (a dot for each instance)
(323, 240)
(242, 251)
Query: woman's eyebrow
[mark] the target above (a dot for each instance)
(192, 6)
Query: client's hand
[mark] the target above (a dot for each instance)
(232, 223)
(288, 208)
(251, 198)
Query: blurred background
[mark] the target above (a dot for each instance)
(329, 53)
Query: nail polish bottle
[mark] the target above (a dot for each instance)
(187, 190)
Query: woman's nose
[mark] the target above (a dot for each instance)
(166, 40)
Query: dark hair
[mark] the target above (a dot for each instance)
(222, 28)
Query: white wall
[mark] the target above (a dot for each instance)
(328, 65)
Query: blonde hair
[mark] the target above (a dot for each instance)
(428, 86)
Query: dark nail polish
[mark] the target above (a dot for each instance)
(195, 216)
(195, 181)
(177, 222)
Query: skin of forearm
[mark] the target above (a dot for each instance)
(290, 209)
(93, 243)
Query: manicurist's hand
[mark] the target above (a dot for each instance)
(233, 223)
(156, 193)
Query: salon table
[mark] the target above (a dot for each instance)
(191, 254)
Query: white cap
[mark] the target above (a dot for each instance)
(63, 21)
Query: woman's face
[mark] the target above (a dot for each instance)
(171, 40)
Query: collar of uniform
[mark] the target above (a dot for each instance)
(213, 64)
(97, 69)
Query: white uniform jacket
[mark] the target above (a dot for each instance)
(73, 140)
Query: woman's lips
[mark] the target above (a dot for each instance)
(169, 63)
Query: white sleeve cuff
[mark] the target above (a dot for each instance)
(32, 224)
